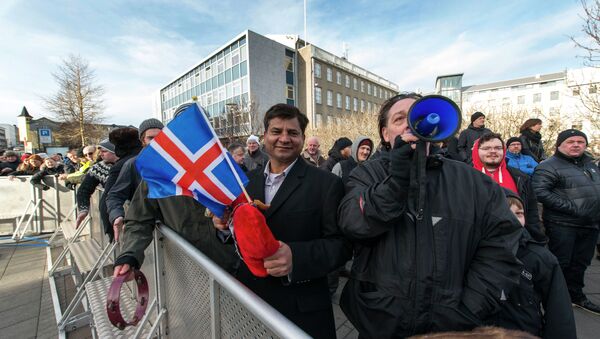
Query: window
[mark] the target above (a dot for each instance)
(355, 104)
(537, 97)
(355, 84)
(329, 74)
(319, 121)
(369, 89)
(318, 95)
(368, 106)
(374, 91)
(289, 64)
(554, 95)
(362, 105)
(592, 89)
(347, 102)
(521, 100)
(575, 91)
(554, 112)
(577, 124)
(362, 86)
(329, 98)
(290, 92)
(338, 77)
(338, 100)
(317, 70)
(347, 81)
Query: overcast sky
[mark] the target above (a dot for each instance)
(136, 47)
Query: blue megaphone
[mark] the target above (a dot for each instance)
(434, 118)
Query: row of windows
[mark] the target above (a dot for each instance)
(345, 80)
(365, 106)
(226, 66)
(537, 97)
(521, 87)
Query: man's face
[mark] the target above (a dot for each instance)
(149, 135)
(346, 152)
(396, 123)
(73, 157)
(11, 158)
(491, 153)
(363, 153)
(515, 148)
(238, 155)
(573, 146)
(252, 146)
(479, 122)
(55, 157)
(284, 140)
(519, 213)
(108, 156)
(312, 146)
(88, 152)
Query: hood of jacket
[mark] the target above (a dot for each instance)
(356, 144)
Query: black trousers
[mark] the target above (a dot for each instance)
(574, 248)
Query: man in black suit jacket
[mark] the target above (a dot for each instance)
(303, 217)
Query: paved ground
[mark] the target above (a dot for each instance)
(26, 305)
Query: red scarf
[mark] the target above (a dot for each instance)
(501, 175)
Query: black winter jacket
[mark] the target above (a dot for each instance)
(444, 272)
(527, 195)
(542, 284)
(467, 138)
(127, 182)
(569, 189)
(36, 179)
(531, 143)
(110, 181)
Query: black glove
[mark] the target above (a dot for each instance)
(400, 160)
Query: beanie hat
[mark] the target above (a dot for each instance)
(511, 140)
(252, 138)
(126, 141)
(107, 145)
(342, 143)
(476, 116)
(367, 142)
(148, 124)
(564, 135)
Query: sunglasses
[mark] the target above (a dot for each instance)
(90, 153)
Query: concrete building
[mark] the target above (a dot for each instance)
(10, 134)
(568, 95)
(240, 80)
(3, 142)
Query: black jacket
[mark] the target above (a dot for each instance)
(303, 214)
(569, 189)
(467, 138)
(444, 272)
(542, 284)
(123, 189)
(531, 144)
(110, 181)
(36, 179)
(527, 195)
(333, 157)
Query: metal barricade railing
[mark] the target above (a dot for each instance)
(203, 300)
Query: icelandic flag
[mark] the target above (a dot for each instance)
(187, 158)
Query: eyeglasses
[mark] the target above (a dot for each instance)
(90, 153)
(489, 148)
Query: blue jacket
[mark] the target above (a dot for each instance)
(523, 162)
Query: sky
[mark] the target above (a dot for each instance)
(137, 47)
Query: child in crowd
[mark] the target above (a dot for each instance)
(540, 304)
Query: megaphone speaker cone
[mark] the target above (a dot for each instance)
(434, 118)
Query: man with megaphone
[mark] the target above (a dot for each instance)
(434, 240)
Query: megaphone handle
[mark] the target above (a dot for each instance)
(421, 174)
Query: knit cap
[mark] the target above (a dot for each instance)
(564, 135)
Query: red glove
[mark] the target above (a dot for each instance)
(253, 237)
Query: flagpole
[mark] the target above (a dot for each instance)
(237, 177)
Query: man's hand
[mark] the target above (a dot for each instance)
(400, 158)
(280, 263)
(117, 226)
(80, 218)
(121, 269)
(221, 224)
(62, 176)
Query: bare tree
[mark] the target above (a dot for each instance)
(238, 121)
(78, 103)
(507, 120)
(350, 125)
(591, 28)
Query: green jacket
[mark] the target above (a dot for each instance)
(182, 214)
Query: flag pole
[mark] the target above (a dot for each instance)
(235, 174)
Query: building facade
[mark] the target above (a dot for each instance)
(569, 96)
(239, 81)
(10, 134)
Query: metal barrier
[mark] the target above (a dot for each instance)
(191, 296)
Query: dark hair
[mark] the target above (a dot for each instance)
(529, 123)
(512, 201)
(490, 136)
(234, 146)
(286, 112)
(385, 109)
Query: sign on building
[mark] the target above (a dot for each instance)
(45, 136)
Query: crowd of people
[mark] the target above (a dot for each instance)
(451, 236)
